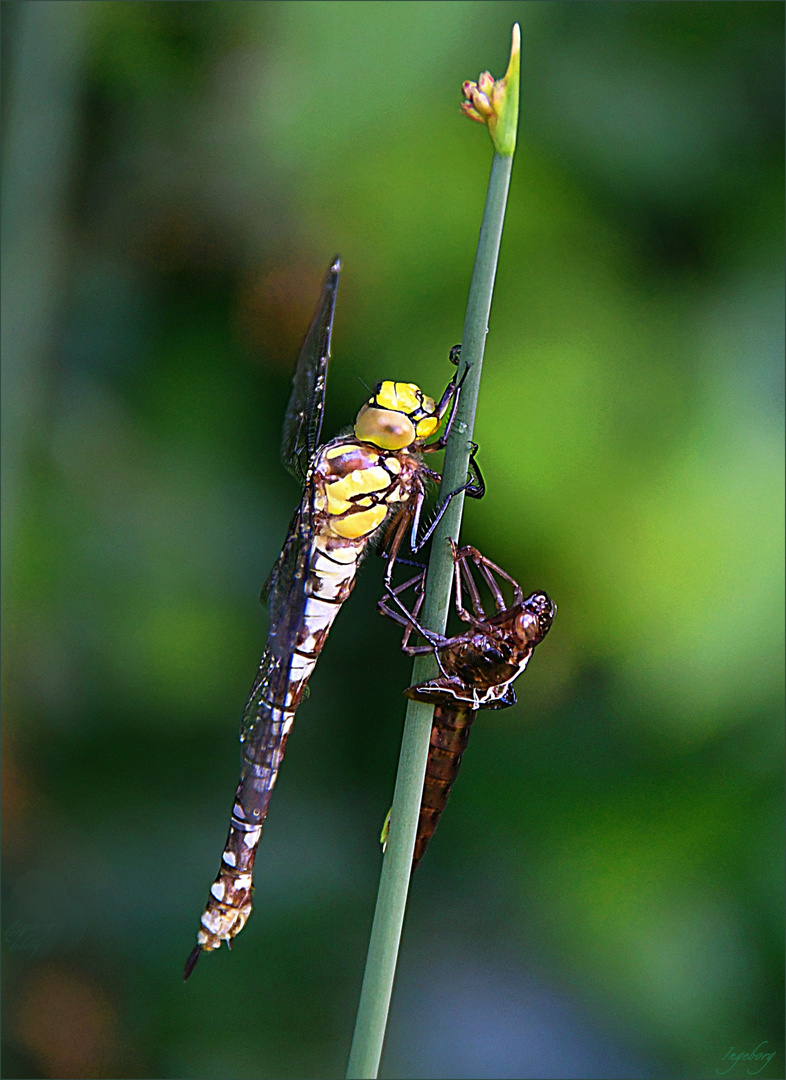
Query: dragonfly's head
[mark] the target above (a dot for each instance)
(397, 415)
(534, 620)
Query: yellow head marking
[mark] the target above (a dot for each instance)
(428, 404)
(397, 415)
(427, 427)
(399, 396)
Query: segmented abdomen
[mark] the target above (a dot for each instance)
(273, 703)
(350, 493)
(449, 737)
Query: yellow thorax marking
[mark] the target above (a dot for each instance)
(336, 506)
(360, 524)
(346, 448)
(358, 482)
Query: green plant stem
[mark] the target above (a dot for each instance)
(394, 881)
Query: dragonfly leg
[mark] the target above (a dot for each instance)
(461, 570)
(395, 535)
(474, 486)
(452, 391)
(488, 569)
(405, 618)
(496, 592)
(409, 619)
(393, 593)
(415, 542)
(409, 625)
(476, 489)
(479, 621)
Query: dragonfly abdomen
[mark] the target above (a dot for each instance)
(329, 581)
(449, 737)
(229, 903)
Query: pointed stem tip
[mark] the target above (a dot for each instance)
(515, 53)
(496, 103)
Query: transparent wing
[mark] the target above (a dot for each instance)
(283, 567)
(303, 421)
(285, 591)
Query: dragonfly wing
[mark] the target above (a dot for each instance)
(288, 588)
(283, 568)
(285, 592)
(303, 421)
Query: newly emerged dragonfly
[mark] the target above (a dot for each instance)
(478, 669)
(351, 486)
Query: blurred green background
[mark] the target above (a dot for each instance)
(604, 895)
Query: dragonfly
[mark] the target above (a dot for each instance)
(477, 668)
(359, 487)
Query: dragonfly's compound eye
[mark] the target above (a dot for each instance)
(384, 428)
(527, 626)
(543, 610)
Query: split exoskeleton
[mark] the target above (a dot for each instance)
(477, 667)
